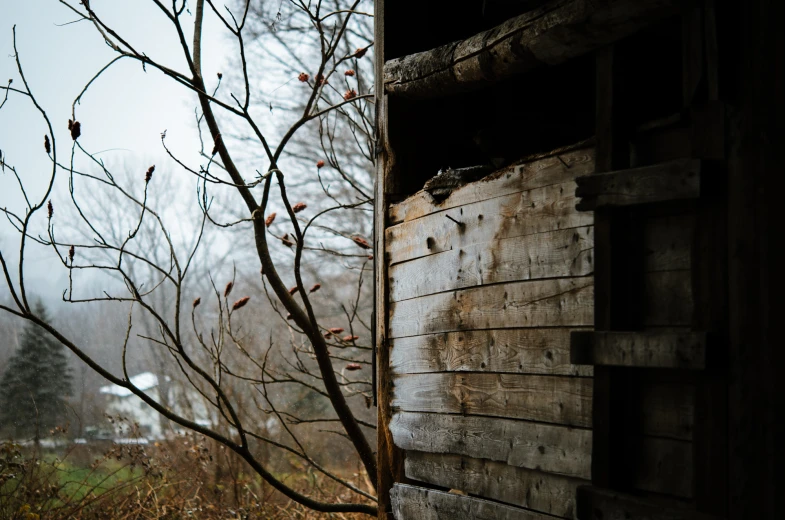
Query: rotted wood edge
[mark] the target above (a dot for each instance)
(549, 35)
(654, 349)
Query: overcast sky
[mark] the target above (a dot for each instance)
(122, 115)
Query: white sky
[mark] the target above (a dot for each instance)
(123, 113)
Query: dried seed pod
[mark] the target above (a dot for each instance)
(315, 287)
(75, 128)
(71, 253)
(303, 77)
(353, 366)
(359, 53)
(350, 94)
(220, 76)
(336, 330)
(293, 290)
(197, 302)
(50, 209)
(327, 335)
(285, 240)
(349, 73)
(297, 208)
(320, 164)
(240, 303)
(347, 339)
(269, 220)
(47, 145)
(228, 289)
(360, 241)
(149, 174)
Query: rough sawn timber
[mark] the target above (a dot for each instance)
(563, 302)
(551, 399)
(417, 503)
(555, 168)
(517, 351)
(550, 448)
(552, 494)
(549, 35)
(553, 254)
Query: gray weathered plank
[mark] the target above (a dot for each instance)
(668, 299)
(553, 449)
(552, 399)
(668, 243)
(552, 494)
(417, 503)
(519, 351)
(674, 180)
(660, 409)
(565, 302)
(518, 214)
(556, 169)
(552, 254)
(652, 349)
(548, 35)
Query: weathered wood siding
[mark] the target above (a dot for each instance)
(484, 397)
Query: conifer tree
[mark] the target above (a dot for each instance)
(36, 383)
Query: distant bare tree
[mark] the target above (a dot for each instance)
(305, 215)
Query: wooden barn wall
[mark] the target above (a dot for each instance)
(481, 306)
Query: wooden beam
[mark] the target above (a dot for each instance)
(674, 180)
(417, 503)
(549, 35)
(653, 349)
(550, 448)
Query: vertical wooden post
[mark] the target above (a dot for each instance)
(389, 458)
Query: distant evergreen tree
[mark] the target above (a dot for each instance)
(35, 385)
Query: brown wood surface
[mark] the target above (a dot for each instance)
(550, 34)
(552, 399)
(667, 298)
(652, 349)
(556, 168)
(418, 503)
(674, 180)
(553, 254)
(534, 211)
(595, 503)
(652, 405)
(658, 465)
(544, 492)
(564, 302)
(519, 351)
(549, 448)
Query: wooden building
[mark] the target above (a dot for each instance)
(586, 332)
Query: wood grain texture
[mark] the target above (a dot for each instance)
(552, 494)
(652, 349)
(550, 34)
(674, 180)
(551, 399)
(553, 449)
(518, 351)
(555, 169)
(667, 299)
(668, 243)
(553, 254)
(417, 503)
(566, 302)
(519, 214)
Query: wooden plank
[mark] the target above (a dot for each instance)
(655, 407)
(668, 298)
(518, 351)
(667, 242)
(417, 503)
(554, 254)
(658, 465)
(535, 211)
(652, 349)
(551, 399)
(553, 449)
(548, 35)
(674, 180)
(564, 302)
(557, 168)
(595, 503)
(544, 492)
